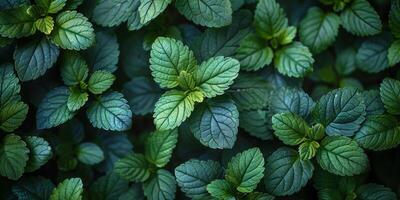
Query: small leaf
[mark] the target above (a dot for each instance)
(162, 186)
(291, 100)
(100, 81)
(373, 102)
(372, 56)
(133, 167)
(89, 153)
(40, 152)
(221, 189)
(45, 25)
(70, 189)
(134, 18)
(76, 99)
(269, 18)
(345, 61)
(393, 52)
(294, 60)
(12, 115)
(150, 9)
(159, 146)
(308, 149)
(111, 13)
(16, 22)
(13, 156)
(253, 54)
(73, 69)
(290, 128)
(51, 6)
(245, 170)
(390, 95)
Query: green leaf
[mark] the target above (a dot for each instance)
(394, 18)
(150, 9)
(53, 109)
(373, 191)
(373, 103)
(100, 81)
(110, 112)
(308, 149)
(250, 92)
(193, 177)
(269, 18)
(168, 57)
(318, 30)
(259, 196)
(16, 23)
(393, 53)
(290, 128)
(159, 146)
(73, 69)
(361, 19)
(77, 99)
(286, 36)
(34, 58)
(342, 156)
(345, 61)
(221, 189)
(35, 188)
(245, 170)
(103, 55)
(253, 54)
(72, 31)
(39, 152)
(206, 12)
(89, 153)
(70, 189)
(115, 146)
(13, 156)
(215, 123)
(291, 100)
(341, 111)
(45, 25)
(379, 132)
(215, 75)
(172, 109)
(372, 56)
(108, 187)
(286, 173)
(12, 115)
(134, 18)
(111, 13)
(12, 4)
(390, 95)
(294, 60)
(257, 123)
(317, 132)
(133, 167)
(186, 81)
(9, 85)
(51, 6)
(161, 186)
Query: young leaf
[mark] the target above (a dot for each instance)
(361, 19)
(73, 69)
(286, 173)
(193, 177)
(215, 123)
(168, 57)
(294, 60)
(16, 22)
(110, 112)
(51, 6)
(70, 189)
(39, 152)
(45, 25)
(379, 132)
(318, 30)
(291, 100)
(100, 81)
(159, 146)
(269, 18)
(111, 13)
(390, 95)
(245, 170)
(221, 189)
(172, 109)
(150, 9)
(89, 153)
(12, 115)
(253, 54)
(162, 186)
(53, 109)
(77, 99)
(206, 13)
(342, 156)
(133, 167)
(134, 18)
(215, 75)
(72, 31)
(341, 111)
(290, 128)
(13, 156)
(34, 58)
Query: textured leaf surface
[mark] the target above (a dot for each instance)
(70, 189)
(39, 152)
(9, 85)
(286, 173)
(73, 69)
(103, 55)
(36, 188)
(393, 52)
(290, 128)
(13, 156)
(342, 156)
(394, 18)
(12, 115)
(150, 9)
(270, 18)
(133, 167)
(291, 100)
(253, 54)
(76, 99)
(294, 60)
(112, 12)
(159, 147)
(390, 95)
(100, 81)
(108, 187)
(221, 189)
(162, 186)
(16, 23)
(372, 56)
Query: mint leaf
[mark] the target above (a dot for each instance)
(206, 13)
(74, 70)
(104, 54)
(77, 99)
(110, 112)
(100, 81)
(89, 153)
(110, 186)
(294, 60)
(13, 156)
(342, 156)
(257, 123)
(51, 6)
(150, 9)
(372, 56)
(12, 115)
(159, 146)
(45, 25)
(374, 191)
(161, 186)
(71, 189)
(291, 100)
(390, 95)
(133, 167)
(39, 152)
(318, 30)
(373, 102)
(290, 128)
(308, 150)
(245, 170)
(215, 123)
(34, 187)
(72, 31)
(193, 177)
(16, 23)
(111, 13)
(9, 85)
(134, 18)
(269, 18)
(221, 189)
(393, 52)
(253, 54)
(286, 173)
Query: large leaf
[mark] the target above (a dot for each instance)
(150, 9)
(342, 156)
(53, 109)
(361, 19)
(294, 60)
(112, 12)
(206, 12)
(245, 170)
(34, 58)
(134, 19)
(104, 54)
(215, 75)
(162, 186)
(12, 115)
(215, 123)
(318, 30)
(73, 69)
(379, 132)
(270, 18)
(286, 173)
(35, 188)
(168, 57)
(159, 146)
(341, 111)
(253, 54)
(290, 128)
(77, 99)
(291, 100)
(133, 167)
(110, 112)
(193, 177)
(72, 31)
(390, 95)
(13, 156)
(16, 23)
(39, 152)
(70, 189)
(372, 56)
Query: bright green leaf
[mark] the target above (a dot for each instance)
(290, 128)
(270, 18)
(70, 189)
(133, 167)
(253, 54)
(159, 146)
(76, 99)
(12, 115)
(393, 53)
(221, 189)
(294, 60)
(73, 69)
(45, 25)
(100, 81)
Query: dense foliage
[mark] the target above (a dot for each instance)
(199, 99)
